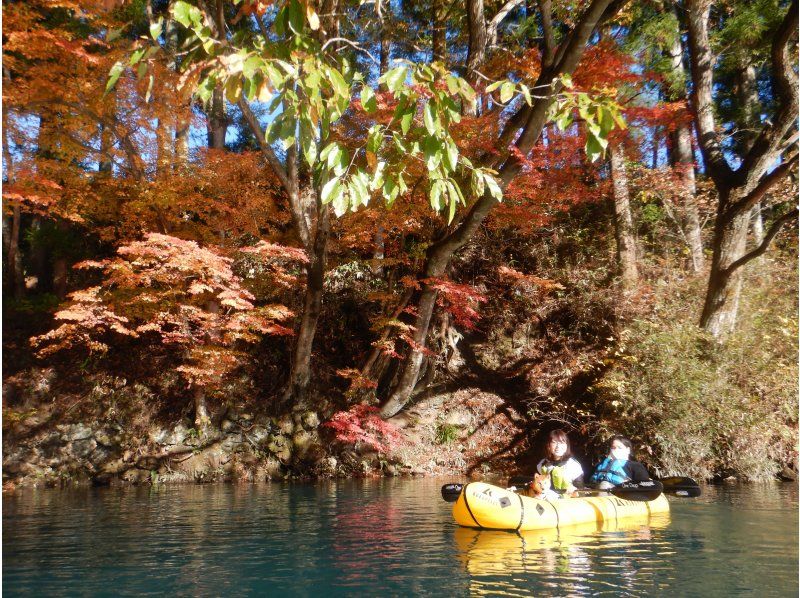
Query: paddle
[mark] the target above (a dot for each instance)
(680, 486)
(635, 491)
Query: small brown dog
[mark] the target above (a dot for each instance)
(539, 486)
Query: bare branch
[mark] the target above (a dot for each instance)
(774, 229)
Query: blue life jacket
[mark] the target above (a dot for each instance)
(610, 470)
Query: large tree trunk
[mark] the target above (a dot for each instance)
(724, 288)
(300, 376)
(623, 220)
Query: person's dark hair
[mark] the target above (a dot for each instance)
(560, 435)
(623, 439)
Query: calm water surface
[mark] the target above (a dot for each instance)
(384, 537)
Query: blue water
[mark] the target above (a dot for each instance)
(382, 537)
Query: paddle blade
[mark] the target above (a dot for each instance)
(681, 486)
(638, 491)
(451, 492)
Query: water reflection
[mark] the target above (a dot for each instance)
(559, 559)
(382, 537)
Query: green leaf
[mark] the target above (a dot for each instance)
(407, 119)
(339, 84)
(429, 118)
(296, 20)
(187, 14)
(593, 148)
(368, 99)
(450, 155)
(341, 201)
(252, 65)
(137, 56)
(452, 85)
(341, 163)
(329, 189)
(155, 28)
(435, 194)
(493, 187)
(377, 176)
(113, 75)
(432, 150)
(374, 138)
(394, 79)
(506, 91)
(390, 190)
(490, 88)
(307, 142)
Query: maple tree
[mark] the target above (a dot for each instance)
(171, 293)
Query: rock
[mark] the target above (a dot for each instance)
(227, 425)
(302, 441)
(75, 432)
(458, 417)
(285, 425)
(310, 420)
(82, 448)
(258, 434)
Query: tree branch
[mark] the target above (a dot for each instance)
(491, 28)
(280, 172)
(774, 229)
(702, 67)
(768, 143)
(760, 190)
(549, 41)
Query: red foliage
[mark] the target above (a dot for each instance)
(458, 299)
(171, 292)
(363, 424)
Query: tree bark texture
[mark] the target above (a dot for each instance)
(623, 220)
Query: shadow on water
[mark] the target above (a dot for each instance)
(392, 536)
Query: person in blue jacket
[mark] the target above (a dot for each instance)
(618, 467)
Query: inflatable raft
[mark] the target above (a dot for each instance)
(484, 506)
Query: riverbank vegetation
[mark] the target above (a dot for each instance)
(258, 239)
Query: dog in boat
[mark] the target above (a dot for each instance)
(542, 487)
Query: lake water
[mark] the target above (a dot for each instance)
(383, 538)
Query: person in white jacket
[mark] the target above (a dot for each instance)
(566, 474)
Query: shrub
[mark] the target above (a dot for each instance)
(706, 409)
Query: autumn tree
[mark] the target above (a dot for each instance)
(743, 174)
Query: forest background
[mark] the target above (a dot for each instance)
(324, 237)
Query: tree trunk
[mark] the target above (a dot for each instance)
(217, 123)
(476, 52)
(724, 288)
(439, 31)
(14, 257)
(682, 159)
(312, 307)
(623, 220)
(201, 418)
